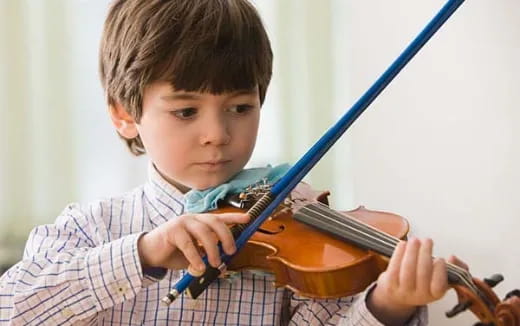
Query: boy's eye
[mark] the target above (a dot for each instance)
(185, 113)
(242, 108)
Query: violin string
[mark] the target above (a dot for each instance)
(359, 230)
(373, 238)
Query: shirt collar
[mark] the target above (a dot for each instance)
(166, 200)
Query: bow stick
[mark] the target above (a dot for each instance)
(267, 204)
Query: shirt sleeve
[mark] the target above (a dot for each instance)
(347, 311)
(67, 277)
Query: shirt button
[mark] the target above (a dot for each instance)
(121, 289)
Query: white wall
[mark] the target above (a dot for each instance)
(441, 146)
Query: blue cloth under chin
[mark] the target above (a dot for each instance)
(198, 201)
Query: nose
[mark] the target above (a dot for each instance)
(215, 131)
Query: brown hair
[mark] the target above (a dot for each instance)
(197, 45)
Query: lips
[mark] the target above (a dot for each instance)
(213, 164)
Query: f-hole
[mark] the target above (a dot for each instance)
(280, 229)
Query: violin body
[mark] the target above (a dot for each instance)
(310, 262)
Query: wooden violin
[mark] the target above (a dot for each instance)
(318, 252)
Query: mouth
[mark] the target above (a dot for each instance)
(213, 164)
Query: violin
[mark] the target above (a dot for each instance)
(313, 263)
(318, 252)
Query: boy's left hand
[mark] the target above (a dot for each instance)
(413, 278)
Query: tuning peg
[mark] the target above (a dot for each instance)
(494, 280)
(514, 293)
(459, 307)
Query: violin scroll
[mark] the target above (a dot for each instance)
(485, 304)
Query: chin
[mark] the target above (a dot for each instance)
(212, 180)
(207, 184)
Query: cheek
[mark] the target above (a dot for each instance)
(175, 150)
(254, 131)
(163, 141)
(247, 136)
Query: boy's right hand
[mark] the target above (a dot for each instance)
(175, 244)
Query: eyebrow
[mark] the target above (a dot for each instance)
(195, 96)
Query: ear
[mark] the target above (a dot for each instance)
(123, 121)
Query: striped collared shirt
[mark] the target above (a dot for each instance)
(84, 270)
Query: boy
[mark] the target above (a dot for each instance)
(184, 82)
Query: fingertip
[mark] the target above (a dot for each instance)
(231, 249)
(457, 261)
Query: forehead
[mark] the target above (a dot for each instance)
(166, 91)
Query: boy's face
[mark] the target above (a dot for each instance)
(198, 140)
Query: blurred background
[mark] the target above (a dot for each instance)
(440, 146)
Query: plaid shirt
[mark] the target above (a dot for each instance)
(84, 270)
